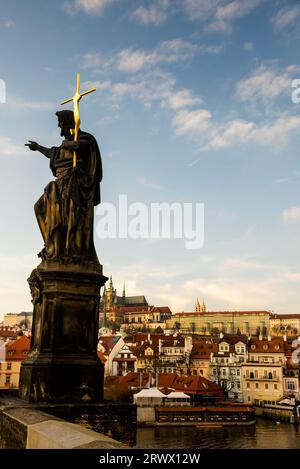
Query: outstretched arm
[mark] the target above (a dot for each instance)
(34, 146)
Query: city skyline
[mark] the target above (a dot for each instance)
(193, 104)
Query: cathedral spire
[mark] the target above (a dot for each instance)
(111, 286)
(203, 307)
(197, 306)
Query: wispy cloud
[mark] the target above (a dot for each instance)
(266, 83)
(9, 148)
(90, 7)
(219, 15)
(286, 17)
(291, 214)
(248, 46)
(154, 14)
(8, 23)
(18, 103)
(132, 60)
(147, 183)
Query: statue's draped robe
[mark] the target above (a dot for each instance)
(65, 211)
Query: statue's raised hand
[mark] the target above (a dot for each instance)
(32, 145)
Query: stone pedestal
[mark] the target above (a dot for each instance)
(63, 365)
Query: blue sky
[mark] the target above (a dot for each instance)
(193, 105)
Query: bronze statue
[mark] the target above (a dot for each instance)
(63, 365)
(65, 211)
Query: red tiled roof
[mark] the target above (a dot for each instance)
(132, 309)
(162, 309)
(219, 312)
(173, 341)
(109, 341)
(275, 345)
(144, 337)
(18, 349)
(285, 316)
(189, 384)
(8, 333)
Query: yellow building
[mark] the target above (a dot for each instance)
(285, 324)
(199, 359)
(15, 352)
(231, 322)
(262, 372)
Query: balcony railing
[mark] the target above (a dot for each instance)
(261, 378)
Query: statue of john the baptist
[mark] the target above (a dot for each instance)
(65, 211)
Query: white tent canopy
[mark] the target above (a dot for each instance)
(149, 393)
(177, 395)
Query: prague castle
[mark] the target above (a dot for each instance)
(232, 322)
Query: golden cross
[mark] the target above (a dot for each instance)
(76, 98)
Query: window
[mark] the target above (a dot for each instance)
(8, 366)
(7, 379)
(266, 386)
(291, 385)
(256, 385)
(238, 372)
(248, 385)
(275, 386)
(249, 399)
(238, 385)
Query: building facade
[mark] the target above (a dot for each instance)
(230, 322)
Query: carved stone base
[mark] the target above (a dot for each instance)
(63, 365)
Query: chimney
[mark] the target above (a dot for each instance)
(284, 338)
(269, 338)
(221, 335)
(260, 337)
(148, 336)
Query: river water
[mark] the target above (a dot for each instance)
(265, 434)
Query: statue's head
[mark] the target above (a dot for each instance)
(66, 123)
